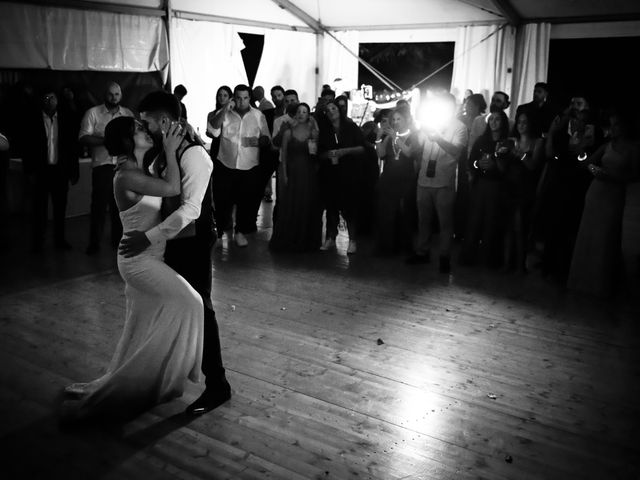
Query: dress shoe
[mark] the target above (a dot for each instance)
(328, 244)
(211, 398)
(241, 240)
(418, 259)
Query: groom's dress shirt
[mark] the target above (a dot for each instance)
(195, 172)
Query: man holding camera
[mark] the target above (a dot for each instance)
(436, 192)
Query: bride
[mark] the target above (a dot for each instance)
(161, 344)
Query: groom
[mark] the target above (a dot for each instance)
(189, 229)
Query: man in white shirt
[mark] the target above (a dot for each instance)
(92, 134)
(237, 178)
(436, 191)
(189, 229)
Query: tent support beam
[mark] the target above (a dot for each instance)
(506, 9)
(237, 21)
(300, 14)
(168, 10)
(103, 7)
(417, 26)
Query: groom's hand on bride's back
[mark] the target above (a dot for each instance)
(133, 243)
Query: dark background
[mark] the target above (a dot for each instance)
(605, 69)
(407, 64)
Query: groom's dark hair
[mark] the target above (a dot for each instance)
(161, 102)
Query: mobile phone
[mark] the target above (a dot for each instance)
(431, 169)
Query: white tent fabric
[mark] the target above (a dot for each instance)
(337, 62)
(532, 61)
(68, 39)
(288, 59)
(130, 35)
(205, 56)
(483, 60)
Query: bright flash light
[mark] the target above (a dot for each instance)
(435, 113)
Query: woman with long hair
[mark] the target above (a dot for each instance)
(223, 96)
(397, 146)
(596, 266)
(521, 168)
(486, 210)
(298, 225)
(161, 343)
(340, 148)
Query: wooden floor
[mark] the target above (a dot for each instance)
(341, 368)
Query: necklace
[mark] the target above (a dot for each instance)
(397, 149)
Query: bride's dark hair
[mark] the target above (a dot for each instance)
(118, 140)
(118, 136)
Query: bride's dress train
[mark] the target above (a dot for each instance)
(161, 344)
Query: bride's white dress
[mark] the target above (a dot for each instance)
(161, 345)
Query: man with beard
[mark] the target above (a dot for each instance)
(277, 96)
(102, 166)
(189, 230)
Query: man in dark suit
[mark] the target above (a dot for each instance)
(51, 158)
(541, 111)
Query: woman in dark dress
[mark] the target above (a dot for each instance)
(597, 256)
(520, 168)
(482, 240)
(573, 135)
(298, 225)
(397, 147)
(340, 148)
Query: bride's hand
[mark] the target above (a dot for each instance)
(172, 138)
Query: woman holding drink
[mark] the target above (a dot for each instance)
(298, 225)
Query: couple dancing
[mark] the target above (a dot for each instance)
(163, 192)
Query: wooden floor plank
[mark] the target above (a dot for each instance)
(472, 370)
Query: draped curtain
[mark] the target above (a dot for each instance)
(532, 61)
(205, 56)
(337, 62)
(66, 39)
(483, 60)
(289, 59)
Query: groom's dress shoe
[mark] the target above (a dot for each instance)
(211, 398)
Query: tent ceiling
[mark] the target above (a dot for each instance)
(384, 14)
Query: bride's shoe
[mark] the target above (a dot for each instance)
(76, 389)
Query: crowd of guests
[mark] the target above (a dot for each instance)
(546, 189)
(510, 193)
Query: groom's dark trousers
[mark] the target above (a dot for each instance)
(190, 256)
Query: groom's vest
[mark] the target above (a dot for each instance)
(204, 226)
